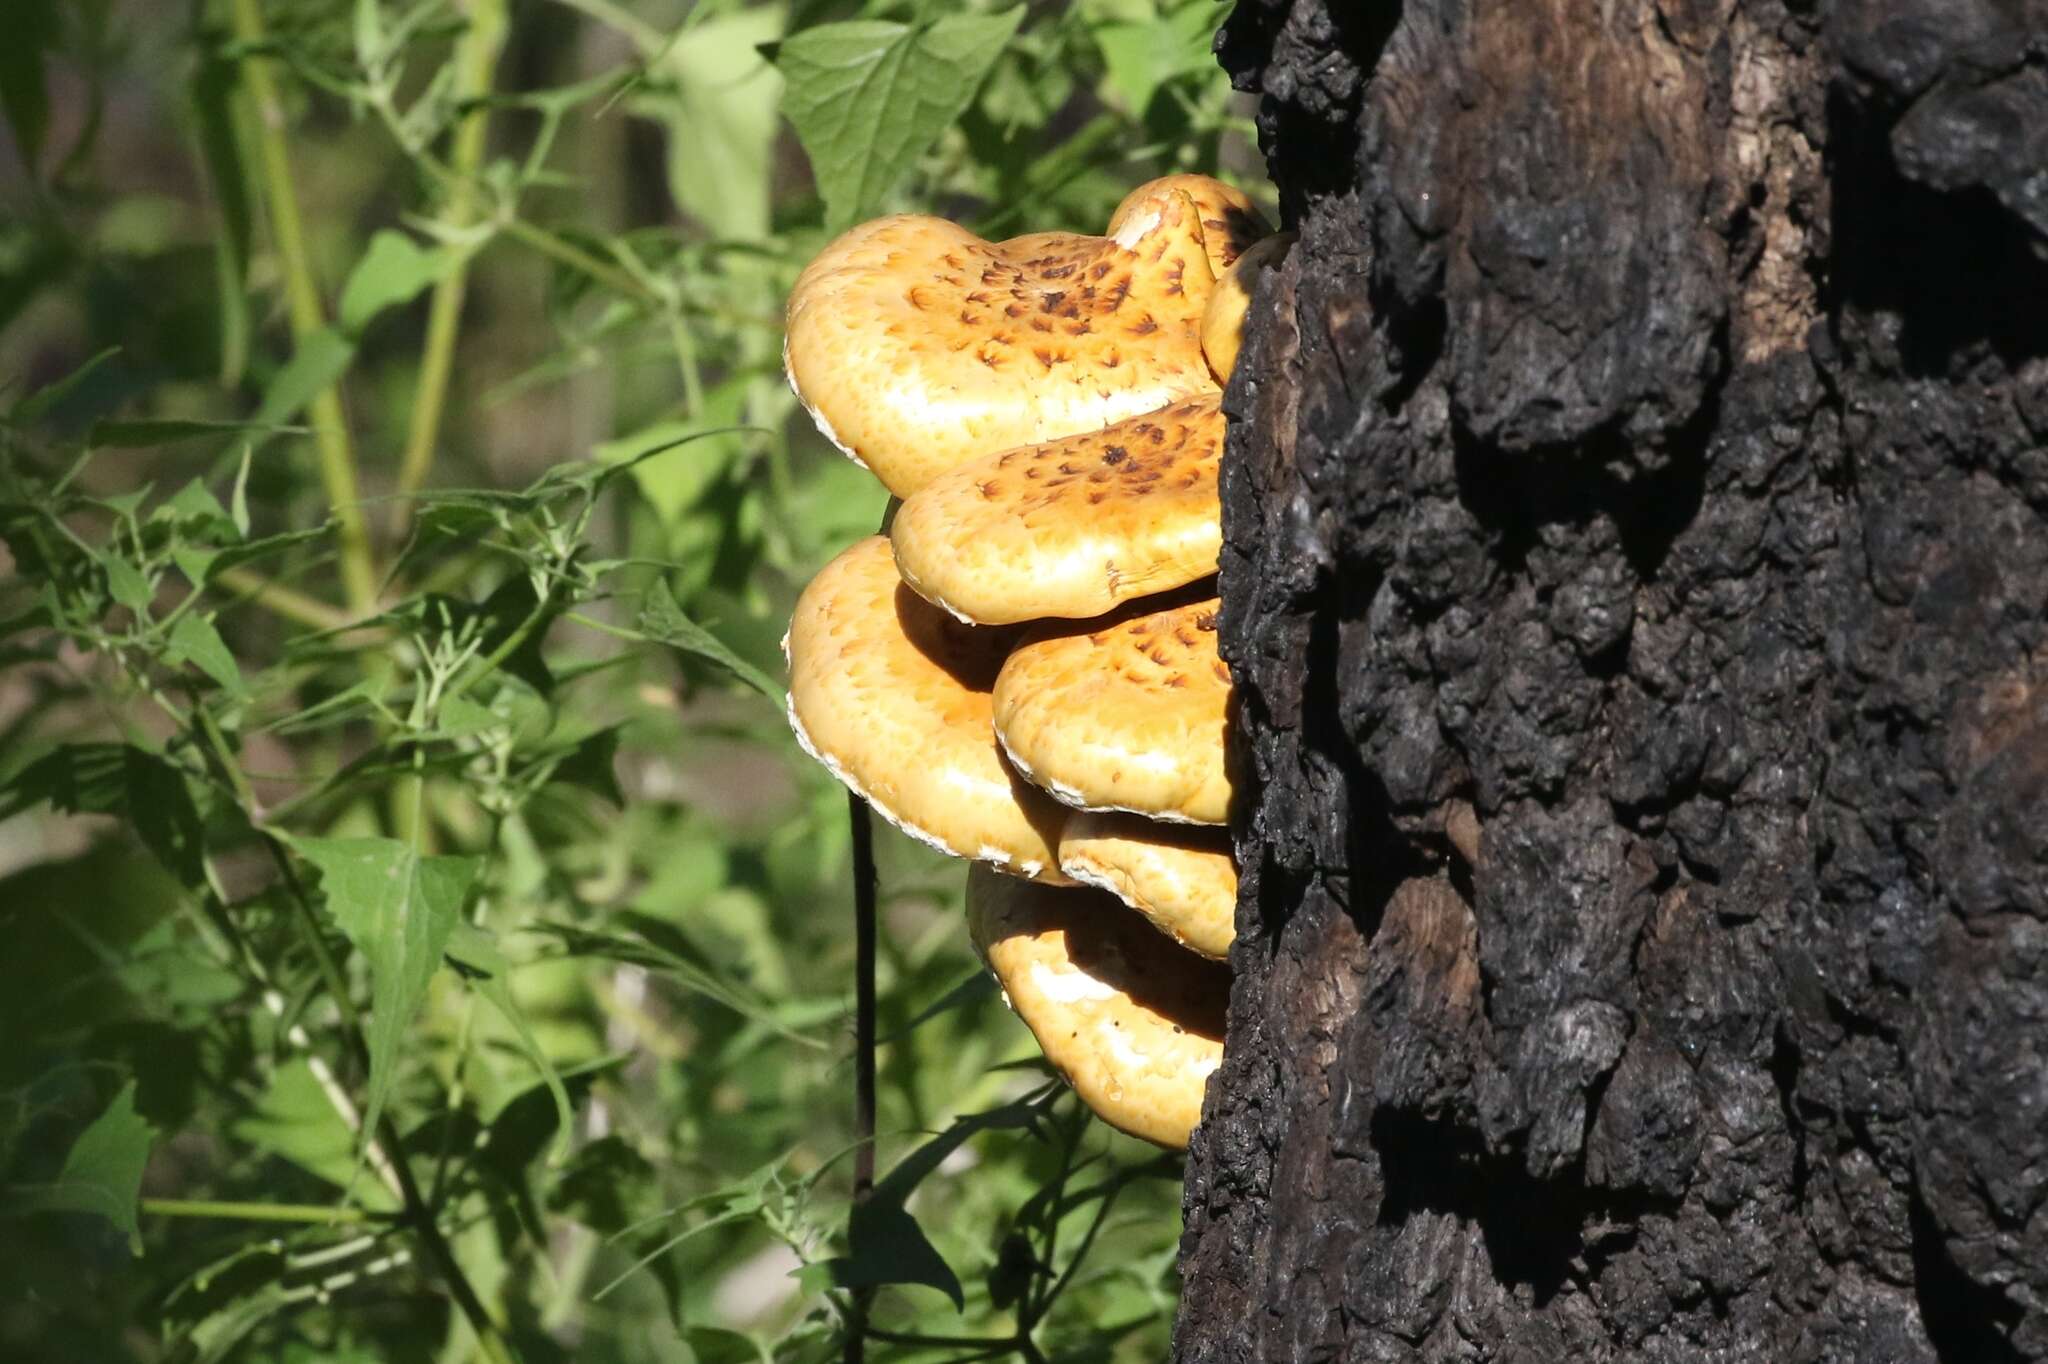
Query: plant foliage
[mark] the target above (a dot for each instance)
(424, 941)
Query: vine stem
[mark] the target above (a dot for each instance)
(308, 318)
(311, 1213)
(476, 61)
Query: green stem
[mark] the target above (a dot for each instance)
(308, 318)
(288, 602)
(576, 258)
(477, 60)
(254, 1212)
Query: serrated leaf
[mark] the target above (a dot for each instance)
(103, 1173)
(194, 640)
(662, 621)
(486, 969)
(394, 270)
(399, 910)
(868, 97)
(118, 779)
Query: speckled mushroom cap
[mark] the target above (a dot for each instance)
(917, 345)
(1071, 528)
(1223, 323)
(1230, 224)
(1183, 879)
(1133, 1022)
(892, 695)
(1128, 715)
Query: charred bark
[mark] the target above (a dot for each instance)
(1636, 580)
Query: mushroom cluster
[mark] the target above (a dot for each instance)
(1022, 670)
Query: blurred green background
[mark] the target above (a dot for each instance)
(331, 332)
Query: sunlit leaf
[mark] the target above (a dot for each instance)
(399, 909)
(722, 133)
(394, 270)
(868, 96)
(1143, 56)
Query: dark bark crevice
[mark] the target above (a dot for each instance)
(1637, 590)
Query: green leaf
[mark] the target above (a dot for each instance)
(687, 456)
(40, 403)
(118, 779)
(722, 123)
(126, 584)
(314, 367)
(485, 967)
(295, 1120)
(194, 640)
(884, 1243)
(1142, 57)
(399, 909)
(103, 1173)
(868, 97)
(394, 270)
(662, 621)
(195, 507)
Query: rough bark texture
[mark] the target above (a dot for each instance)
(1637, 585)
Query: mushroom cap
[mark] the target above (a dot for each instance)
(1230, 221)
(1072, 527)
(892, 695)
(1183, 879)
(917, 345)
(1223, 323)
(1128, 715)
(1133, 1022)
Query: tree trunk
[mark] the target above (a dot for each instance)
(1636, 582)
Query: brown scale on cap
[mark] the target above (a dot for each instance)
(1127, 716)
(917, 345)
(1134, 1023)
(1230, 224)
(892, 695)
(1072, 528)
(1183, 879)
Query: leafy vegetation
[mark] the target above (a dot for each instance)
(423, 940)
